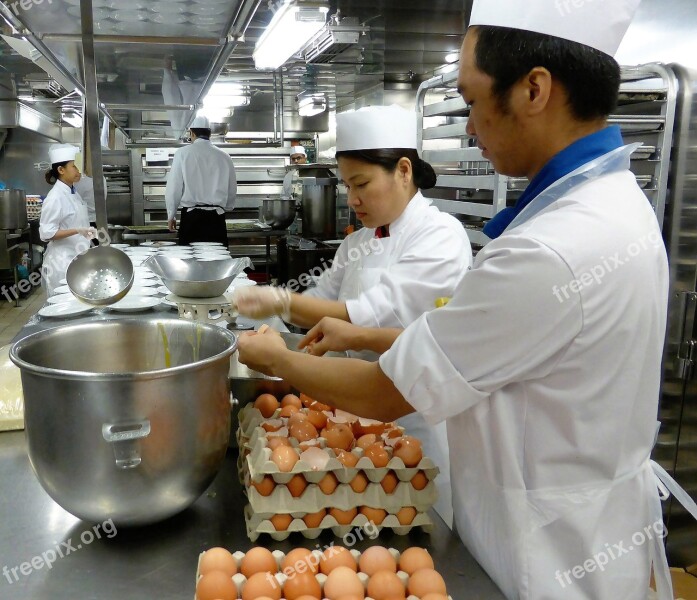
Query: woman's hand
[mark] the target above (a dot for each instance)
(260, 302)
(331, 335)
(259, 349)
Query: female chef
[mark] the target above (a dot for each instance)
(546, 363)
(64, 222)
(387, 274)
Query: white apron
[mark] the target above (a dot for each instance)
(361, 275)
(60, 253)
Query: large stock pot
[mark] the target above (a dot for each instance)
(126, 419)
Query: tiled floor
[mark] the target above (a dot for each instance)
(13, 318)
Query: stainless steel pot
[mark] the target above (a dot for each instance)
(13, 209)
(115, 433)
(318, 202)
(278, 213)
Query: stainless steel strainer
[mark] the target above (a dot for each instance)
(100, 276)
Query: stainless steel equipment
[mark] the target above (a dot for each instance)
(126, 419)
(13, 209)
(318, 201)
(100, 276)
(195, 279)
(278, 213)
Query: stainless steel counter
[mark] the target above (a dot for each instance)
(158, 561)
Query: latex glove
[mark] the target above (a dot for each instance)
(258, 350)
(331, 335)
(262, 301)
(172, 224)
(89, 232)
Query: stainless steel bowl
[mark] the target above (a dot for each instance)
(101, 275)
(115, 433)
(279, 213)
(191, 278)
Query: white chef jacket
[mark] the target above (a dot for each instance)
(424, 258)
(61, 209)
(85, 188)
(551, 404)
(201, 174)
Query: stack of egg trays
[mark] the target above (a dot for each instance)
(240, 579)
(260, 509)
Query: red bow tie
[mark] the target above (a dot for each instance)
(383, 231)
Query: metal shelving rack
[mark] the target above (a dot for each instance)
(469, 188)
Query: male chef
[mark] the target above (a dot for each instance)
(546, 362)
(298, 155)
(202, 182)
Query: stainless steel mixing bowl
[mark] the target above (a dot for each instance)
(191, 278)
(101, 275)
(112, 431)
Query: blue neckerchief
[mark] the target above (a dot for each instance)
(561, 164)
(72, 189)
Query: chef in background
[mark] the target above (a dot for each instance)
(202, 182)
(298, 155)
(393, 270)
(64, 223)
(546, 363)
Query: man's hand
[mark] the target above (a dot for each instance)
(172, 224)
(260, 302)
(89, 232)
(258, 350)
(331, 335)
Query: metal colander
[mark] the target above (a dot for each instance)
(100, 276)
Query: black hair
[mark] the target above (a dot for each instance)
(590, 77)
(52, 174)
(387, 158)
(201, 132)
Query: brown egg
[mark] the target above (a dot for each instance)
(313, 520)
(306, 400)
(346, 416)
(419, 481)
(342, 581)
(413, 559)
(377, 455)
(328, 484)
(359, 483)
(291, 400)
(374, 515)
(217, 559)
(317, 418)
(296, 486)
(377, 558)
(366, 440)
(301, 584)
(426, 581)
(303, 431)
(272, 425)
(306, 597)
(287, 411)
(367, 426)
(294, 558)
(276, 441)
(216, 585)
(259, 585)
(343, 517)
(389, 482)
(406, 515)
(296, 417)
(267, 405)
(409, 450)
(281, 522)
(258, 560)
(339, 437)
(393, 432)
(284, 458)
(434, 597)
(266, 486)
(348, 459)
(385, 585)
(337, 556)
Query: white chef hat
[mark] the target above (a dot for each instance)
(600, 24)
(58, 153)
(298, 150)
(201, 122)
(376, 127)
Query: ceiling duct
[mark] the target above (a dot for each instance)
(27, 50)
(44, 86)
(335, 38)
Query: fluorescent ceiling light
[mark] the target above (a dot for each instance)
(226, 94)
(215, 115)
(452, 57)
(311, 106)
(293, 25)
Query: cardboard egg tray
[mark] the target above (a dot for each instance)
(281, 578)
